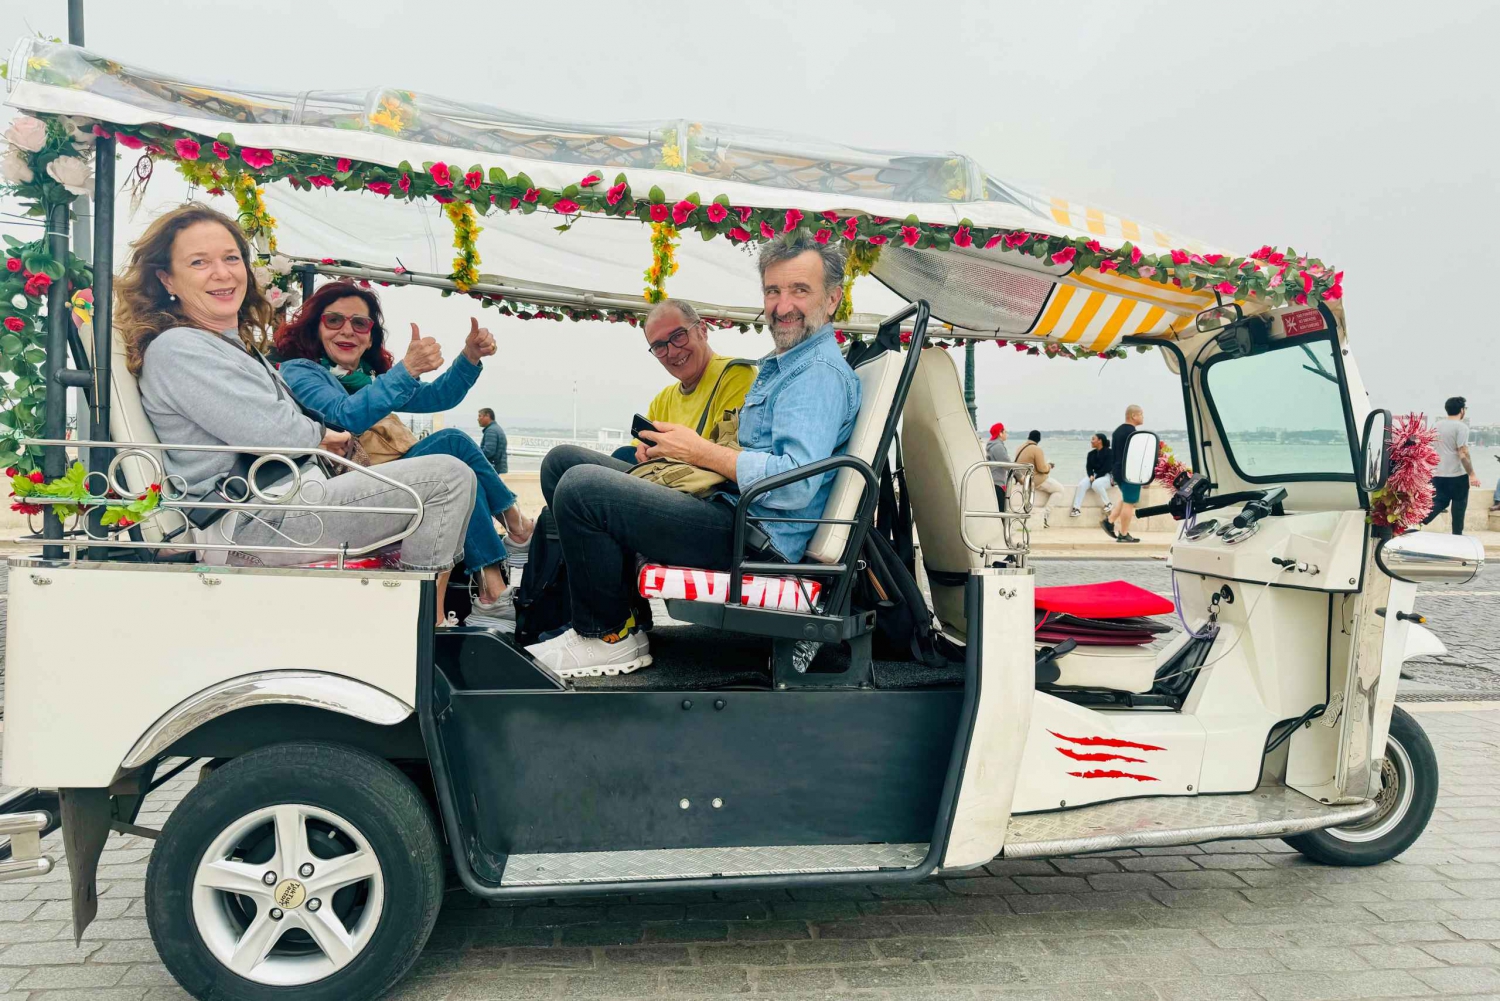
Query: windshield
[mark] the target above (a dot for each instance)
(1281, 413)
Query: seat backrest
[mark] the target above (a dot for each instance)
(938, 445)
(879, 376)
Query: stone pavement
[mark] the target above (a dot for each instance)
(1228, 920)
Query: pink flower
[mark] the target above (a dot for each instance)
(681, 211)
(793, 217)
(745, 212)
(443, 199)
(1277, 278)
(879, 240)
(515, 203)
(962, 237)
(1307, 281)
(1276, 258)
(15, 324)
(831, 216)
(851, 228)
(660, 213)
(1224, 288)
(320, 181)
(739, 234)
(1014, 240)
(380, 187)
(13, 264)
(1300, 298)
(1146, 271)
(1107, 265)
(255, 159)
(839, 336)
(1094, 247)
(766, 230)
(220, 150)
(910, 235)
(614, 194)
(590, 181)
(822, 235)
(440, 175)
(1179, 257)
(342, 165)
(1065, 255)
(101, 131)
(1334, 292)
(1213, 258)
(994, 241)
(716, 213)
(1135, 255)
(128, 141)
(1264, 253)
(530, 195)
(405, 183)
(154, 149)
(565, 206)
(473, 179)
(879, 219)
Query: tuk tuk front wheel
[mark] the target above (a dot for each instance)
(1409, 785)
(300, 872)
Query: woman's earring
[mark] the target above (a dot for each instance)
(171, 297)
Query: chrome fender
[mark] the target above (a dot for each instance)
(332, 692)
(1421, 642)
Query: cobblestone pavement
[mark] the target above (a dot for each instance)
(1229, 920)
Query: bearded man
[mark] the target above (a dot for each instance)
(800, 409)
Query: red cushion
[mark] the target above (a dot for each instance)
(1113, 600)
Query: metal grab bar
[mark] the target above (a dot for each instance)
(1025, 485)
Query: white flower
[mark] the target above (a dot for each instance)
(72, 173)
(27, 133)
(281, 264)
(262, 275)
(19, 301)
(276, 297)
(15, 168)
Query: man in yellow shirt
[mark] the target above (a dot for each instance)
(707, 384)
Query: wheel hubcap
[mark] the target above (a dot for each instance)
(261, 927)
(1393, 800)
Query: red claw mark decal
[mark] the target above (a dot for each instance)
(1105, 742)
(1099, 756)
(1112, 773)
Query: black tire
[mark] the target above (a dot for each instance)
(378, 801)
(1411, 766)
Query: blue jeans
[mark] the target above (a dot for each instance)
(482, 546)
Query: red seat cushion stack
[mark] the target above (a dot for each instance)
(1115, 613)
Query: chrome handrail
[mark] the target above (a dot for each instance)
(256, 499)
(1021, 480)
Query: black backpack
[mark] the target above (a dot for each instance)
(542, 601)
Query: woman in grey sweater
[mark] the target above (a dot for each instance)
(188, 305)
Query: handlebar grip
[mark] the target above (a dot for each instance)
(1151, 512)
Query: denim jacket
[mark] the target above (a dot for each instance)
(801, 408)
(319, 391)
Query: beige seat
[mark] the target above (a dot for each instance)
(1115, 668)
(938, 445)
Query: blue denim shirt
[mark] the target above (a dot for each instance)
(801, 408)
(320, 391)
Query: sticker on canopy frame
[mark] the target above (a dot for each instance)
(1303, 321)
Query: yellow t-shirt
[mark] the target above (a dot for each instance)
(676, 407)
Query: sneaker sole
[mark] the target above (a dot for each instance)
(610, 671)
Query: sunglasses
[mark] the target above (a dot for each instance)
(335, 321)
(677, 339)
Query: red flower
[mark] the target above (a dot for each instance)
(37, 284)
(822, 235)
(962, 237)
(994, 241)
(660, 213)
(531, 195)
(1224, 288)
(1014, 240)
(906, 337)
(877, 220)
(1135, 255)
(590, 181)
(1300, 298)
(320, 181)
(1307, 282)
(443, 199)
(257, 158)
(187, 149)
(851, 228)
(1107, 265)
(343, 165)
(101, 131)
(1065, 255)
(766, 230)
(154, 149)
(128, 141)
(405, 183)
(10, 470)
(831, 216)
(682, 210)
(839, 336)
(910, 235)
(515, 203)
(440, 175)
(1179, 257)
(745, 212)
(24, 508)
(35, 476)
(879, 240)
(327, 260)
(565, 206)
(1263, 254)
(220, 150)
(793, 217)
(1177, 282)
(1213, 258)
(15, 324)
(739, 234)
(380, 187)
(1334, 292)
(474, 179)
(1093, 245)
(716, 213)
(614, 194)
(13, 264)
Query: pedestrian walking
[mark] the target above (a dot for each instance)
(492, 441)
(1455, 469)
(996, 451)
(1096, 477)
(1117, 522)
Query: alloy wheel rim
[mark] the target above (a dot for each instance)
(1395, 797)
(288, 895)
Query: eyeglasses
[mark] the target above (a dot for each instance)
(677, 339)
(335, 321)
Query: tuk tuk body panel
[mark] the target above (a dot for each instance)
(156, 636)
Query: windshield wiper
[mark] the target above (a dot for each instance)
(1316, 368)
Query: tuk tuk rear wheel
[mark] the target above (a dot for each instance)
(1409, 785)
(300, 872)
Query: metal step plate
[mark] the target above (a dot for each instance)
(690, 863)
(1268, 812)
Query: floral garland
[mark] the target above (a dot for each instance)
(1407, 496)
(1268, 275)
(73, 487)
(1168, 466)
(861, 260)
(663, 260)
(465, 232)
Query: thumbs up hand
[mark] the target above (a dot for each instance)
(480, 342)
(422, 354)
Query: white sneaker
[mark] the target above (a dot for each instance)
(517, 553)
(573, 656)
(1075, 513)
(501, 614)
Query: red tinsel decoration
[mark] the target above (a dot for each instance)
(1406, 497)
(1168, 468)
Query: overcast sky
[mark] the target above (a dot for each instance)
(1362, 132)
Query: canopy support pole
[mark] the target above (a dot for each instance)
(969, 382)
(103, 327)
(55, 416)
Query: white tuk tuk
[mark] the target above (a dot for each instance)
(340, 774)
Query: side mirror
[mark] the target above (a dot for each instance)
(1218, 318)
(1140, 458)
(1431, 557)
(1376, 449)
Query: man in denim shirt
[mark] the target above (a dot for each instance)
(801, 408)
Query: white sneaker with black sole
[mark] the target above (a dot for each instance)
(573, 656)
(499, 614)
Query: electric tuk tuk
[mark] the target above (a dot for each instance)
(770, 745)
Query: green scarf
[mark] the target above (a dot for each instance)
(352, 381)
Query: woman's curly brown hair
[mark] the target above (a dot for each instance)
(143, 309)
(299, 336)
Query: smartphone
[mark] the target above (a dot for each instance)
(639, 424)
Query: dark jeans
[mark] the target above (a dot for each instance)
(482, 546)
(1450, 490)
(626, 454)
(605, 517)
